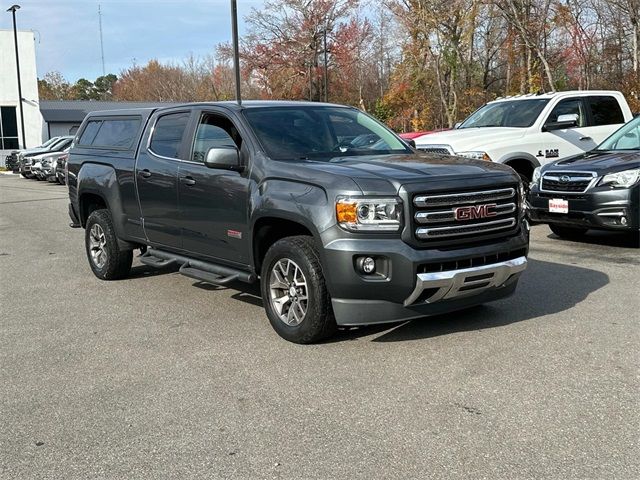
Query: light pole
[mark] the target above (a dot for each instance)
(236, 49)
(13, 9)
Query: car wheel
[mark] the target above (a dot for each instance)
(294, 291)
(567, 232)
(107, 260)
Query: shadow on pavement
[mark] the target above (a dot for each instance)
(544, 289)
(605, 238)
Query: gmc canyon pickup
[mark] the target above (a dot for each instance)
(339, 219)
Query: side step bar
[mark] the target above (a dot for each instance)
(197, 269)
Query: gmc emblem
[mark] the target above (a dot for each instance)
(475, 211)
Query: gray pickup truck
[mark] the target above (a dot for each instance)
(340, 220)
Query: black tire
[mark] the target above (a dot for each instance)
(117, 263)
(567, 232)
(318, 322)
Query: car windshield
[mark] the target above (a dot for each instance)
(320, 133)
(49, 142)
(512, 113)
(626, 137)
(60, 144)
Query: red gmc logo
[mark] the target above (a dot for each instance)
(475, 211)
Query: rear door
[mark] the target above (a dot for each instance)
(605, 117)
(214, 203)
(156, 177)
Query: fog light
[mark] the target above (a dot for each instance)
(623, 220)
(366, 265)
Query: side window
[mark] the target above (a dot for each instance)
(89, 132)
(167, 134)
(605, 111)
(119, 133)
(571, 106)
(214, 131)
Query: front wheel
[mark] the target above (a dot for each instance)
(294, 291)
(107, 260)
(567, 232)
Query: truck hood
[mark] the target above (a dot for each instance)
(600, 162)
(373, 171)
(470, 139)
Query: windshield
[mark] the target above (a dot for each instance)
(513, 113)
(625, 138)
(60, 144)
(49, 142)
(320, 133)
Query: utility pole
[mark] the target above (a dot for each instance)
(326, 68)
(101, 40)
(13, 9)
(236, 48)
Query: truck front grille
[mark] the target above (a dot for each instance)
(567, 182)
(465, 215)
(439, 151)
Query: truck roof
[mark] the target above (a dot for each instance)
(229, 104)
(549, 95)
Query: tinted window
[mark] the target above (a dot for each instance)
(605, 111)
(513, 113)
(213, 132)
(119, 133)
(167, 134)
(571, 106)
(89, 132)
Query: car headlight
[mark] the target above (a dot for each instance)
(624, 179)
(475, 155)
(369, 214)
(537, 173)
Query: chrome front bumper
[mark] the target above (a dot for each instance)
(463, 283)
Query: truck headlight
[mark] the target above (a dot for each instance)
(537, 173)
(624, 179)
(369, 214)
(475, 155)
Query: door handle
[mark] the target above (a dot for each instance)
(582, 139)
(144, 173)
(188, 181)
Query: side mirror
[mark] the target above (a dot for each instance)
(226, 158)
(569, 120)
(457, 125)
(411, 142)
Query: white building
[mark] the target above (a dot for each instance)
(10, 130)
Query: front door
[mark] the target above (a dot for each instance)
(213, 203)
(558, 144)
(156, 176)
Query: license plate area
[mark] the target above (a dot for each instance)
(558, 205)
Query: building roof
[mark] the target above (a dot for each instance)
(74, 111)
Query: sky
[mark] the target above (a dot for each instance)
(68, 40)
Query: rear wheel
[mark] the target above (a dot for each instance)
(107, 260)
(567, 232)
(294, 291)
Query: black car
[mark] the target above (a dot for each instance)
(599, 189)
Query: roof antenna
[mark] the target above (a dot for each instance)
(236, 48)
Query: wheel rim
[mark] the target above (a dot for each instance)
(97, 246)
(289, 293)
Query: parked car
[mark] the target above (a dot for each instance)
(45, 164)
(59, 169)
(414, 135)
(528, 131)
(338, 234)
(12, 161)
(599, 189)
(26, 158)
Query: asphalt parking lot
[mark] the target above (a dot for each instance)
(158, 376)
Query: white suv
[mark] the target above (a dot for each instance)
(527, 131)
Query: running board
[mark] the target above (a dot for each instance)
(154, 261)
(197, 269)
(207, 277)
